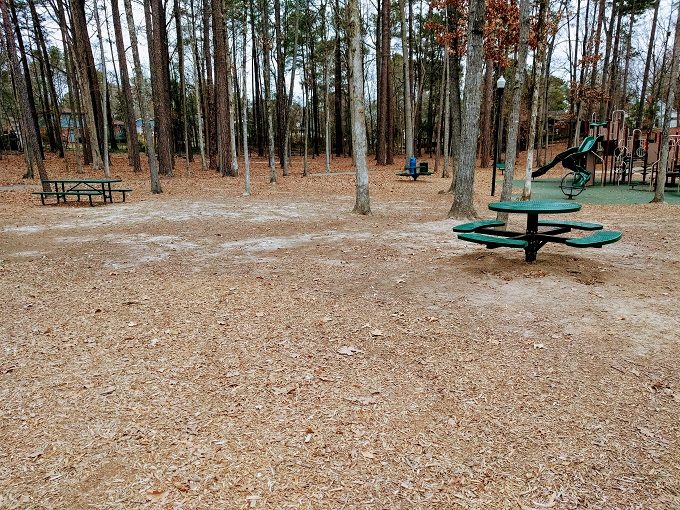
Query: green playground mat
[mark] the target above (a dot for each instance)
(549, 189)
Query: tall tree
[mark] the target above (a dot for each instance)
(244, 119)
(128, 104)
(266, 57)
(89, 82)
(55, 114)
(517, 88)
(182, 84)
(538, 71)
(673, 79)
(160, 82)
(27, 79)
(141, 101)
(105, 137)
(383, 149)
(339, 150)
(408, 113)
(31, 148)
(463, 192)
(357, 110)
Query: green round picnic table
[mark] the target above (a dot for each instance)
(535, 207)
(532, 208)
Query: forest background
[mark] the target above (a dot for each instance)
(200, 78)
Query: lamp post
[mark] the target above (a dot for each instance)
(500, 87)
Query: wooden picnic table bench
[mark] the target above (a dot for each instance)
(538, 232)
(61, 188)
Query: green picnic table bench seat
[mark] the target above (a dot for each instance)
(595, 240)
(474, 225)
(88, 193)
(122, 190)
(493, 241)
(580, 225)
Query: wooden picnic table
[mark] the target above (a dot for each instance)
(83, 186)
(533, 238)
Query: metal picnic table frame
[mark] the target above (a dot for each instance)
(101, 186)
(532, 208)
(489, 232)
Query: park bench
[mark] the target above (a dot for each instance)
(579, 225)
(61, 195)
(537, 233)
(81, 187)
(595, 240)
(474, 225)
(417, 171)
(493, 241)
(121, 190)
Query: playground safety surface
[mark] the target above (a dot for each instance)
(200, 349)
(612, 194)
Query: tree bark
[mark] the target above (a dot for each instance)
(648, 61)
(141, 101)
(339, 149)
(673, 78)
(182, 84)
(27, 80)
(408, 104)
(31, 146)
(463, 192)
(266, 57)
(517, 87)
(55, 110)
(356, 91)
(487, 110)
(160, 83)
(130, 117)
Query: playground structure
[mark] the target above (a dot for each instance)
(623, 153)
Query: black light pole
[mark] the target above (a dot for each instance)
(500, 87)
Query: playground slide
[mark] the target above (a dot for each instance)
(570, 157)
(559, 158)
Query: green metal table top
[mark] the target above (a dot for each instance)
(85, 180)
(535, 207)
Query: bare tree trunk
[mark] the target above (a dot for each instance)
(266, 57)
(339, 136)
(231, 98)
(91, 98)
(648, 60)
(673, 78)
(446, 113)
(356, 91)
(55, 111)
(408, 109)
(141, 101)
(27, 80)
(197, 89)
(160, 83)
(517, 87)
(289, 101)
(442, 113)
(487, 104)
(463, 192)
(383, 90)
(182, 84)
(105, 138)
(538, 71)
(31, 148)
(244, 118)
(131, 125)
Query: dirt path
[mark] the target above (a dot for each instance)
(201, 349)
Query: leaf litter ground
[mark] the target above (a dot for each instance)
(201, 349)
